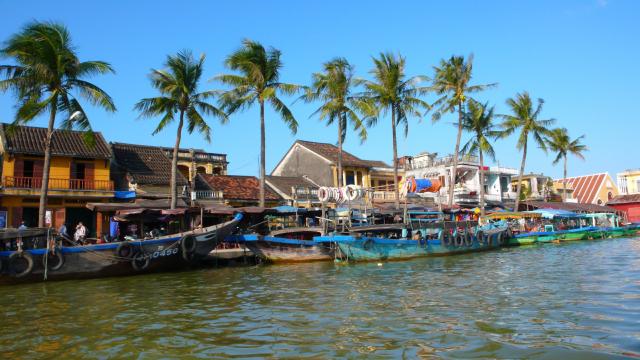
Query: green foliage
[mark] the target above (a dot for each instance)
(392, 91)
(525, 193)
(451, 84)
(478, 120)
(259, 80)
(333, 87)
(525, 117)
(49, 77)
(178, 88)
(559, 142)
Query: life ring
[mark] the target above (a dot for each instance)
(368, 244)
(351, 192)
(140, 261)
(509, 233)
(53, 261)
(323, 194)
(468, 240)
(188, 246)
(446, 238)
(458, 239)
(125, 250)
(16, 256)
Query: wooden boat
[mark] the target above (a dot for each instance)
(114, 259)
(396, 242)
(285, 234)
(287, 245)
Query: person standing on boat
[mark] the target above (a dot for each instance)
(81, 232)
(22, 226)
(62, 230)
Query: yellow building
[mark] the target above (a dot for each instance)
(78, 174)
(535, 187)
(629, 182)
(595, 189)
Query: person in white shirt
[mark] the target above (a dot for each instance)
(81, 232)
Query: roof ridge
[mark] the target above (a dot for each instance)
(54, 129)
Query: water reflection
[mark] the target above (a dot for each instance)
(578, 300)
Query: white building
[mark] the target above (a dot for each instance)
(467, 186)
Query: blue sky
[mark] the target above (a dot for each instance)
(580, 56)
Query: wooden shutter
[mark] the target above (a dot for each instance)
(17, 216)
(89, 176)
(59, 218)
(38, 168)
(18, 168)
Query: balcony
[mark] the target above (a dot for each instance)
(198, 157)
(305, 193)
(35, 183)
(380, 196)
(443, 161)
(209, 195)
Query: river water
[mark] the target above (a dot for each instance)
(566, 301)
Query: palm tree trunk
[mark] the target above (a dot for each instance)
(481, 182)
(340, 152)
(262, 154)
(564, 181)
(455, 155)
(519, 188)
(44, 190)
(174, 164)
(395, 159)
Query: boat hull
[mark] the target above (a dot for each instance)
(104, 260)
(382, 249)
(283, 250)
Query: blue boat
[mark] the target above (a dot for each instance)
(112, 259)
(416, 239)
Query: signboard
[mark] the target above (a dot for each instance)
(3, 219)
(47, 217)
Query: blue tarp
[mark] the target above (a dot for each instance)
(124, 194)
(289, 209)
(553, 213)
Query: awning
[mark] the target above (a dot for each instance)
(556, 213)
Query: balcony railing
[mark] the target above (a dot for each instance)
(199, 157)
(443, 161)
(18, 182)
(209, 195)
(383, 196)
(305, 193)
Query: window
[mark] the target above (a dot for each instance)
(504, 184)
(78, 171)
(350, 178)
(27, 170)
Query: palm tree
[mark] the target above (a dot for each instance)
(333, 87)
(49, 78)
(178, 87)
(560, 143)
(478, 120)
(524, 117)
(391, 91)
(259, 80)
(451, 83)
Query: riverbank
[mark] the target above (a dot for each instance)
(574, 300)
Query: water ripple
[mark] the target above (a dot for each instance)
(570, 301)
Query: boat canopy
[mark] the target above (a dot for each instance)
(513, 215)
(556, 213)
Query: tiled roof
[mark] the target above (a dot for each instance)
(625, 199)
(238, 187)
(147, 165)
(576, 207)
(29, 140)
(330, 152)
(586, 188)
(283, 184)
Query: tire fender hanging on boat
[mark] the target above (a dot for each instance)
(140, 261)
(480, 237)
(188, 247)
(53, 261)
(125, 250)
(16, 256)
